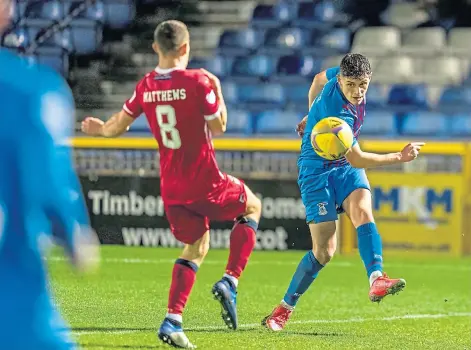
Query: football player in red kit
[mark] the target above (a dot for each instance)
(184, 107)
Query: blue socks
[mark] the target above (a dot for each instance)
(370, 247)
(305, 274)
(371, 252)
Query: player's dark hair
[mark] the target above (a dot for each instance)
(170, 35)
(356, 66)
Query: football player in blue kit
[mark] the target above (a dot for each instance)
(329, 188)
(40, 199)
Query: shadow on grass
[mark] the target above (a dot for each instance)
(221, 330)
(261, 330)
(113, 329)
(120, 346)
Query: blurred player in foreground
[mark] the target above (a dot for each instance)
(183, 108)
(329, 188)
(39, 194)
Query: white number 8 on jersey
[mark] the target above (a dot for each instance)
(168, 128)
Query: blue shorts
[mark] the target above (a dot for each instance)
(324, 191)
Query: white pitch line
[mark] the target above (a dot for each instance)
(270, 262)
(301, 322)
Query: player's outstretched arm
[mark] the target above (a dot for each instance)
(317, 85)
(360, 159)
(117, 125)
(55, 183)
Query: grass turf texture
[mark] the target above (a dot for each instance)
(121, 306)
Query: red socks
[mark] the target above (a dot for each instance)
(242, 243)
(183, 279)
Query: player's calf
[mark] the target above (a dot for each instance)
(184, 277)
(242, 243)
(324, 244)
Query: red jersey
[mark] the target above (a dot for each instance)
(177, 104)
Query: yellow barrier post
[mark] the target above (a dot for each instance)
(466, 230)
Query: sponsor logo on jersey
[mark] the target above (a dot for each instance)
(211, 97)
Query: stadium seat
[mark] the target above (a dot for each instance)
(284, 41)
(239, 122)
(57, 37)
(277, 122)
(376, 41)
(95, 11)
(443, 71)
(460, 125)
(220, 66)
(458, 41)
(19, 11)
(272, 16)
(240, 42)
(395, 70)
(87, 36)
(332, 61)
(377, 95)
(263, 96)
(297, 94)
(297, 68)
(407, 97)
(456, 98)
(254, 66)
(404, 15)
(379, 123)
(424, 42)
(331, 43)
(230, 91)
(119, 13)
(317, 14)
(52, 10)
(430, 124)
(54, 57)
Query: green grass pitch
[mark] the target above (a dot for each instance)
(121, 306)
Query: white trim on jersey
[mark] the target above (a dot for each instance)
(126, 109)
(212, 116)
(166, 71)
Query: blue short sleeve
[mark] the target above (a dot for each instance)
(332, 72)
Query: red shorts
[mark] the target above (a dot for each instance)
(189, 222)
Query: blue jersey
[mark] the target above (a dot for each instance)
(39, 194)
(330, 103)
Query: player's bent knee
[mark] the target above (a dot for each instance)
(197, 251)
(361, 215)
(324, 254)
(254, 205)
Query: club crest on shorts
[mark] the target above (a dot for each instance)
(322, 209)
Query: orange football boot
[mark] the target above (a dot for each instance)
(384, 285)
(276, 321)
